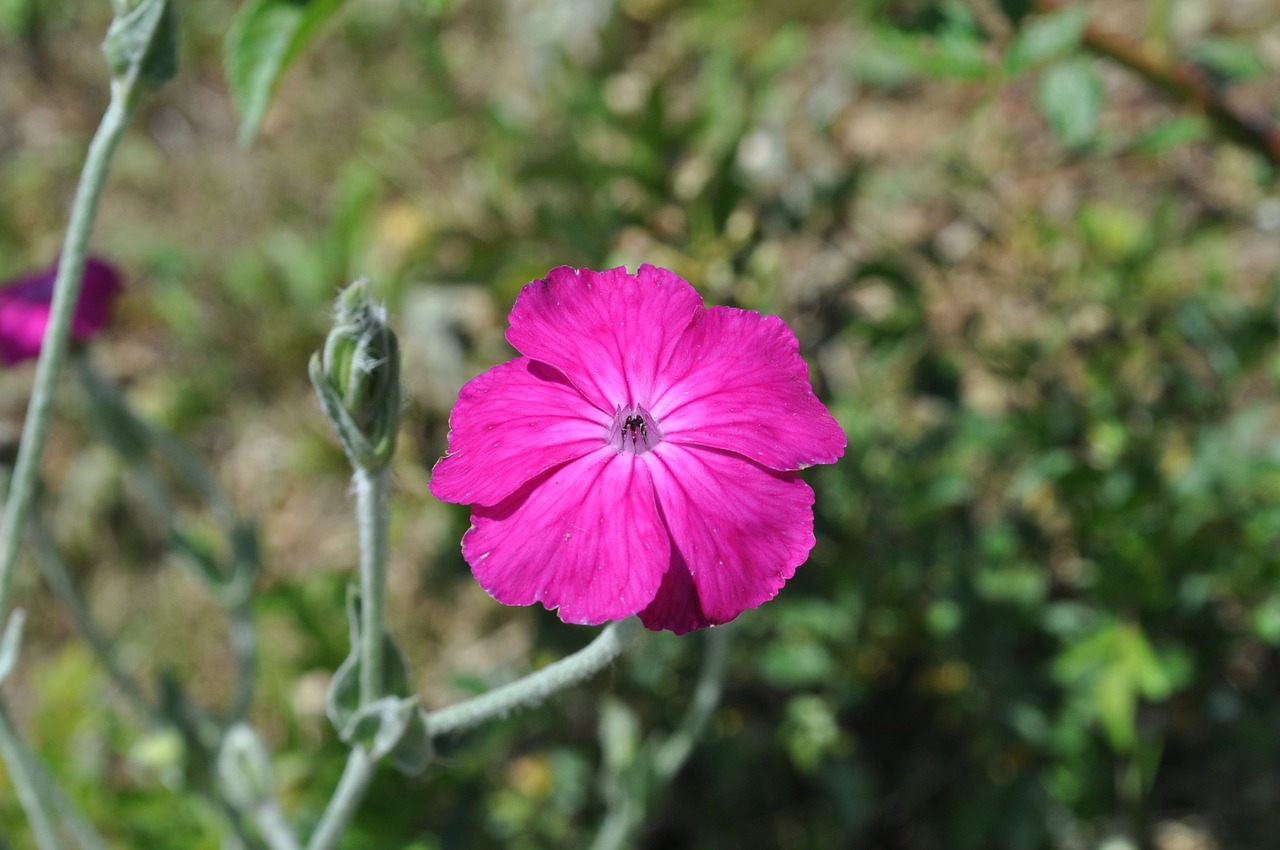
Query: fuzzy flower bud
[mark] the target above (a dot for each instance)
(357, 377)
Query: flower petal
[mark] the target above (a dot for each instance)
(737, 382)
(97, 294)
(738, 532)
(610, 332)
(511, 424)
(25, 304)
(585, 538)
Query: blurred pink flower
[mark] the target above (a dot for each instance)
(24, 309)
(640, 457)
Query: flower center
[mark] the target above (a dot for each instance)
(634, 431)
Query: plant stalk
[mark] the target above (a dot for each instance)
(53, 351)
(536, 687)
(346, 798)
(26, 785)
(371, 515)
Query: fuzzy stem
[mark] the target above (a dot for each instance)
(346, 798)
(71, 819)
(53, 351)
(627, 800)
(536, 687)
(371, 514)
(675, 751)
(26, 785)
(274, 828)
(59, 581)
(243, 639)
(171, 450)
(530, 690)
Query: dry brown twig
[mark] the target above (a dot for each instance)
(1183, 82)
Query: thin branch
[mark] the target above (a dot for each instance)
(1185, 83)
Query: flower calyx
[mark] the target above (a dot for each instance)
(357, 377)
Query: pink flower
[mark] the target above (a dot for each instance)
(24, 309)
(640, 457)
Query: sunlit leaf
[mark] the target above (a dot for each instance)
(266, 36)
(1231, 58)
(1070, 98)
(1174, 133)
(1046, 37)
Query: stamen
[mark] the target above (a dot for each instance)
(634, 431)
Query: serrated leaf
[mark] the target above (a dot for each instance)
(264, 39)
(144, 42)
(1070, 98)
(1046, 37)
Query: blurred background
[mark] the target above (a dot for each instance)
(1039, 293)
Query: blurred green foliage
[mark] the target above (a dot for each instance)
(1044, 606)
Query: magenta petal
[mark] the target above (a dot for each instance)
(511, 424)
(584, 538)
(737, 382)
(25, 303)
(97, 295)
(677, 608)
(740, 530)
(610, 332)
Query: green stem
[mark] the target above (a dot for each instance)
(71, 819)
(675, 751)
(536, 687)
(371, 514)
(630, 791)
(371, 517)
(346, 798)
(274, 828)
(53, 351)
(243, 639)
(26, 785)
(137, 440)
(59, 581)
(530, 690)
(105, 394)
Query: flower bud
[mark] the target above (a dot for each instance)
(357, 377)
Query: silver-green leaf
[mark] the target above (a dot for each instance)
(144, 41)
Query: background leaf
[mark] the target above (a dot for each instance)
(1070, 97)
(266, 36)
(1046, 37)
(1231, 58)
